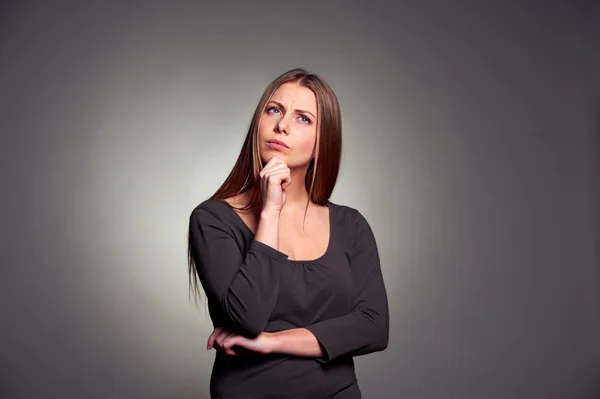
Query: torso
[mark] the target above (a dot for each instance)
(310, 289)
(294, 241)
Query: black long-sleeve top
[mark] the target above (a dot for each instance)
(251, 287)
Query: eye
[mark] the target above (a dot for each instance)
(271, 110)
(304, 119)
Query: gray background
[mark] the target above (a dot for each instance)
(471, 144)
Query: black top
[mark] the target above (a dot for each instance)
(251, 287)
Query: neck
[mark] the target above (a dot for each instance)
(296, 192)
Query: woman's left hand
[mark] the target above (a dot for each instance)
(224, 340)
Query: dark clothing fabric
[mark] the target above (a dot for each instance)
(251, 287)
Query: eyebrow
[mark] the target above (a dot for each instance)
(299, 110)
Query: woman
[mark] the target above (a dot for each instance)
(293, 281)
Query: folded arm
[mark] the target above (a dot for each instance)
(244, 286)
(366, 328)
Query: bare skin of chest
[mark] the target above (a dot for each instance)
(308, 245)
(297, 244)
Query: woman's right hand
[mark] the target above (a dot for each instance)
(274, 179)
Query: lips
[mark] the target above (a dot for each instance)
(277, 143)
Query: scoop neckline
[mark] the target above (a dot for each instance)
(329, 242)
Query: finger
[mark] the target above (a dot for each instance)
(215, 342)
(280, 177)
(231, 341)
(273, 161)
(277, 170)
(222, 337)
(274, 166)
(285, 183)
(211, 339)
(276, 179)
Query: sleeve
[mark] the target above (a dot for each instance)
(366, 328)
(244, 286)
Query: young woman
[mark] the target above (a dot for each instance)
(293, 281)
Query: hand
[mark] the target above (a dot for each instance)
(274, 179)
(225, 341)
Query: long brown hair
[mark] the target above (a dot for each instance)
(323, 169)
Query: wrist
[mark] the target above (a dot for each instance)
(270, 214)
(274, 342)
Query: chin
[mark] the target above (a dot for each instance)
(269, 153)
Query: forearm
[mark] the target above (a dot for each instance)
(359, 333)
(267, 231)
(296, 342)
(243, 286)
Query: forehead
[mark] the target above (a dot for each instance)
(296, 96)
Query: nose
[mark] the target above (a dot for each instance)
(282, 126)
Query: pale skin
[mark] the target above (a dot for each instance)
(290, 118)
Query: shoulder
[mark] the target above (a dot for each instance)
(353, 229)
(347, 215)
(209, 209)
(351, 224)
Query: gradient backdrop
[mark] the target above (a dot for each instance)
(471, 142)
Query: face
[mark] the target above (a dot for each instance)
(288, 126)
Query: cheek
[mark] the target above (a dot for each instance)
(263, 128)
(308, 143)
